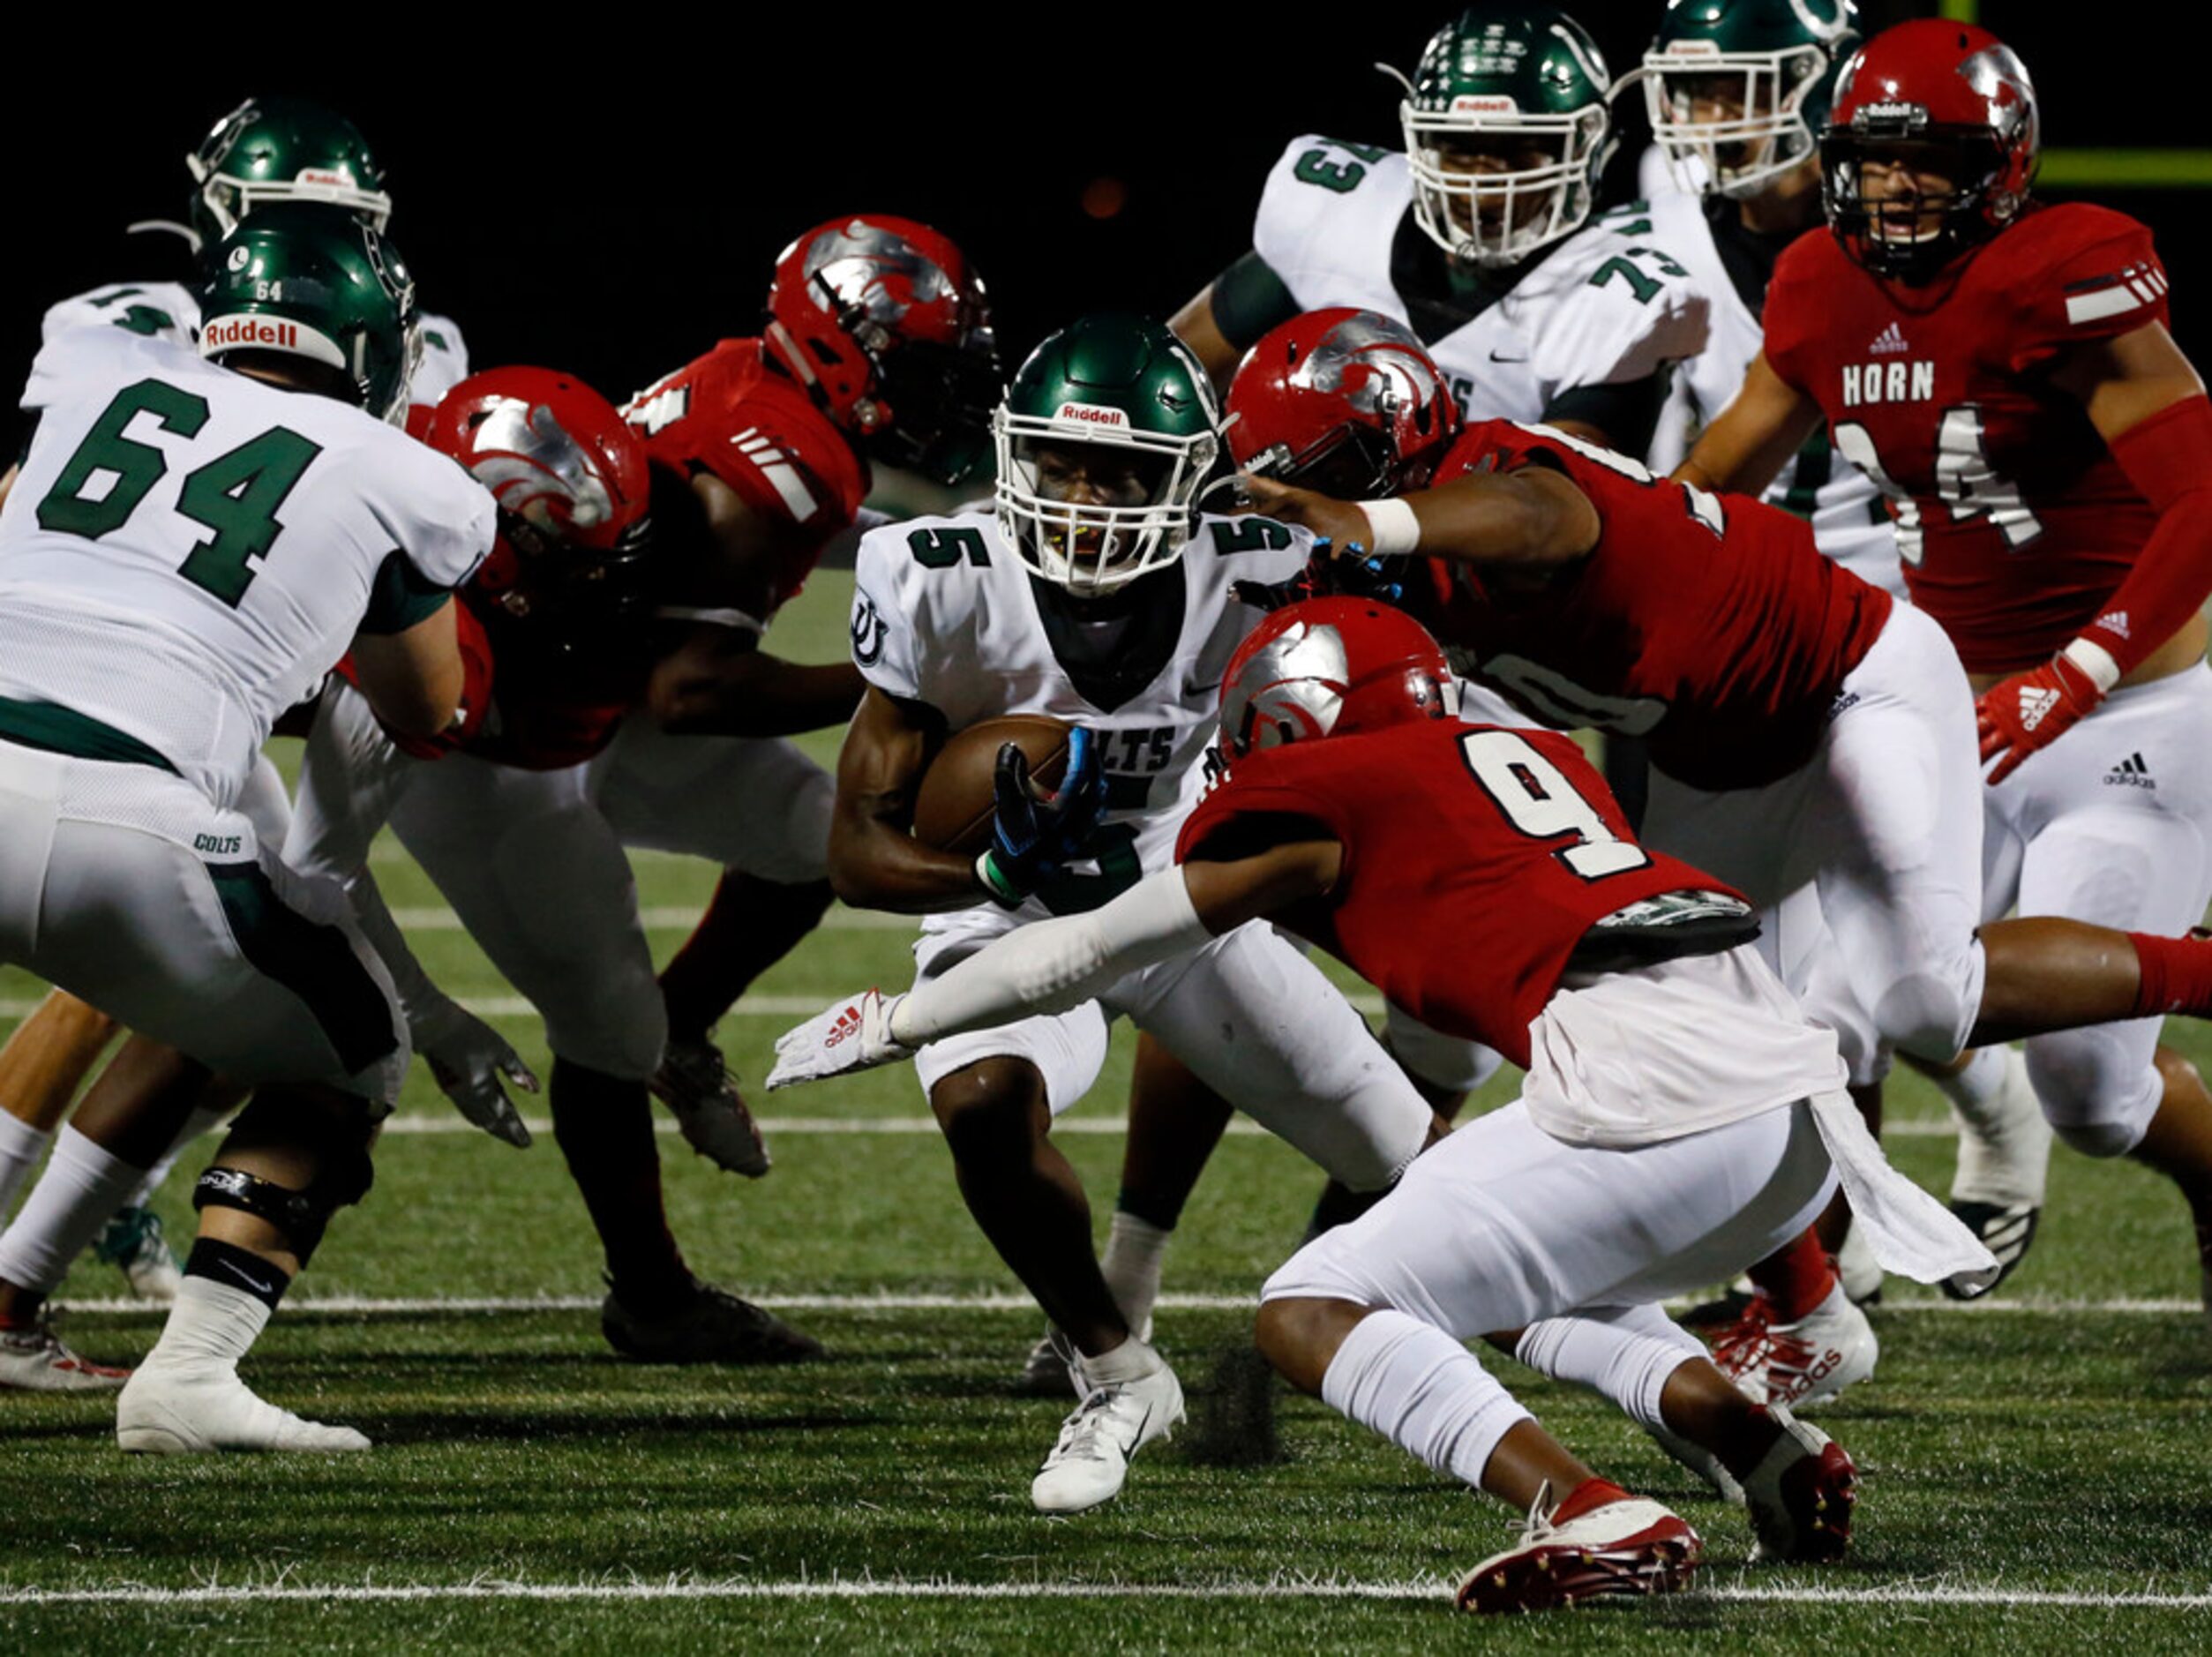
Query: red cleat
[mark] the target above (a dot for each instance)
(1632, 1546)
(1802, 1495)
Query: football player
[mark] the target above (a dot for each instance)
(1804, 729)
(1483, 878)
(513, 827)
(1737, 90)
(878, 349)
(1098, 591)
(189, 549)
(266, 150)
(2002, 371)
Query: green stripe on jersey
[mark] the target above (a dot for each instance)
(53, 729)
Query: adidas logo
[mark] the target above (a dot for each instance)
(848, 1025)
(2130, 773)
(1889, 342)
(2034, 704)
(2114, 622)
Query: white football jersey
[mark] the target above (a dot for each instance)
(170, 311)
(1602, 308)
(1849, 522)
(187, 552)
(943, 614)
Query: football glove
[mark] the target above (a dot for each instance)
(1036, 835)
(853, 1034)
(2026, 713)
(1354, 575)
(470, 1058)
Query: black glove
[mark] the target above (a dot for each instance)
(1034, 835)
(1355, 575)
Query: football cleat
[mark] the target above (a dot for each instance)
(1998, 1189)
(34, 1358)
(715, 1327)
(1630, 1547)
(1700, 1461)
(1046, 1373)
(180, 1408)
(694, 1083)
(1800, 1364)
(1860, 1271)
(1090, 1462)
(1801, 1495)
(134, 1241)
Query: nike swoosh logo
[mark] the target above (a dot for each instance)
(1495, 357)
(235, 1270)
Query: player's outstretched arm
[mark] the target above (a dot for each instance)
(1052, 965)
(716, 681)
(1746, 448)
(2150, 406)
(875, 860)
(1531, 518)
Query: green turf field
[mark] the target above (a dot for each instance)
(2035, 1473)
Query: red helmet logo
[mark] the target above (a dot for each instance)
(1331, 667)
(1344, 400)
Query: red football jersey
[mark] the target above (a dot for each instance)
(2014, 520)
(1475, 861)
(730, 414)
(1709, 626)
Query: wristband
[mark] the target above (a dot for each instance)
(1393, 528)
(2094, 660)
(995, 885)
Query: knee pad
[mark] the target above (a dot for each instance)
(2099, 1139)
(344, 1175)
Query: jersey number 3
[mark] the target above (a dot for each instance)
(237, 494)
(1537, 799)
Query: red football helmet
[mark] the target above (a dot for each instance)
(1333, 667)
(573, 485)
(1344, 401)
(1939, 97)
(887, 325)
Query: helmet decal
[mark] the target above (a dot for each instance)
(1331, 667)
(524, 455)
(1292, 689)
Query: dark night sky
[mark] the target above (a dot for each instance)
(612, 209)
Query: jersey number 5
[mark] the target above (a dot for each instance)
(1537, 800)
(237, 494)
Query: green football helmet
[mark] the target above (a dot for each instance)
(1738, 90)
(1496, 78)
(1105, 439)
(282, 149)
(303, 282)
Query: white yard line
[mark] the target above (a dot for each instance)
(996, 1301)
(1931, 1593)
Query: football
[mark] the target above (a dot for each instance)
(953, 812)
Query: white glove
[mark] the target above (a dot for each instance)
(853, 1034)
(468, 1058)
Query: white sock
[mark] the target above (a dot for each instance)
(21, 1146)
(202, 1120)
(1626, 1356)
(211, 1323)
(82, 1187)
(1131, 1360)
(1423, 1390)
(1132, 1268)
(1974, 1088)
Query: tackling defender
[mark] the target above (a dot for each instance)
(2002, 371)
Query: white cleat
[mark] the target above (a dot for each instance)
(1090, 1462)
(1855, 1264)
(1631, 1546)
(32, 1359)
(694, 1083)
(1801, 1495)
(173, 1409)
(1800, 1364)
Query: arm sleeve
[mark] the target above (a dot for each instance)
(1626, 411)
(1249, 299)
(2169, 460)
(1051, 965)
